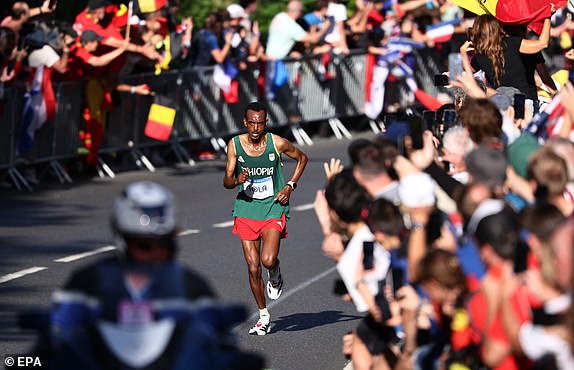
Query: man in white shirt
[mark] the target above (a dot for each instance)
(284, 32)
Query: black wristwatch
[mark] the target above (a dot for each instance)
(292, 184)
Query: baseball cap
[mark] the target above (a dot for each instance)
(502, 101)
(236, 11)
(417, 190)
(487, 166)
(95, 4)
(520, 151)
(90, 35)
(504, 96)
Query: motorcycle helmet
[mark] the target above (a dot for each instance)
(144, 210)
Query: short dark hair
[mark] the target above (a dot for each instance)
(346, 197)
(368, 158)
(500, 231)
(482, 119)
(245, 3)
(256, 107)
(443, 267)
(385, 217)
(542, 219)
(320, 4)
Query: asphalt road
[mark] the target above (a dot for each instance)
(46, 234)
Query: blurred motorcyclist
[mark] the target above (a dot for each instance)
(141, 308)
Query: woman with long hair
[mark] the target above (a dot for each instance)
(498, 55)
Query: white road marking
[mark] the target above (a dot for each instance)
(188, 232)
(78, 256)
(304, 207)
(107, 248)
(21, 273)
(290, 292)
(222, 225)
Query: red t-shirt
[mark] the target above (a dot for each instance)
(85, 21)
(477, 307)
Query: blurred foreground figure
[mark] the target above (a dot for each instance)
(140, 308)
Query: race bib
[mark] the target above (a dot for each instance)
(260, 189)
(135, 313)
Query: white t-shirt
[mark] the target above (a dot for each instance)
(283, 33)
(536, 341)
(339, 14)
(46, 56)
(351, 260)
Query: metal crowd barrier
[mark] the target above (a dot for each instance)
(324, 92)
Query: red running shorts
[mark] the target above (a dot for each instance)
(249, 229)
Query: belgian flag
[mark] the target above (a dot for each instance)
(160, 121)
(148, 6)
(530, 12)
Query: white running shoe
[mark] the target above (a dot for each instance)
(275, 284)
(261, 327)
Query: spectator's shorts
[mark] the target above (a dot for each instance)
(248, 229)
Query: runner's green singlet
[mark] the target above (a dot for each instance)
(256, 197)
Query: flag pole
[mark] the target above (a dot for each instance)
(130, 13)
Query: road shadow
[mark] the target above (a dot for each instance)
(304, 321)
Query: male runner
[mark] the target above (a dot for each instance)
(262, 204)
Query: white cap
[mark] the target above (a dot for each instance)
(417, 190)
(236, 11)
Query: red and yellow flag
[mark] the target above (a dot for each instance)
(148, 6)
(159, 122)
(530, 12)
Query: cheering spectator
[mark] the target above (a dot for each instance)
(90, 19)
(336, 35)
(498, 55)
(87, 65)
(456, 144)
(284, 32)
(209, 50)
(549, 176)
(21, 13)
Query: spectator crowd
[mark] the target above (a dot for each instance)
(453, 228)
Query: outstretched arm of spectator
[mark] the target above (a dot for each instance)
(142, 89)
(255, 41)
(534, 46)
(519, 185)
(103, 60)
(419, 218)
(411, 5)
(145, 50)
(314, 37)
(358, 22)
(45, 8)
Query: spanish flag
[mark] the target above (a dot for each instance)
(159, 122)
(148, 6)
(530, 12)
